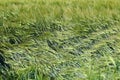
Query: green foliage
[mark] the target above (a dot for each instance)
(60, 39)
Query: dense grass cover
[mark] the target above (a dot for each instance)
(60, 39)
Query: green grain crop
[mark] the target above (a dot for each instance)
(60, 39)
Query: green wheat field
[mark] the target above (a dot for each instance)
(59, 39)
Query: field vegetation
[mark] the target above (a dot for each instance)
(60, 39)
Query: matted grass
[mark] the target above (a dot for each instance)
(60, 39)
